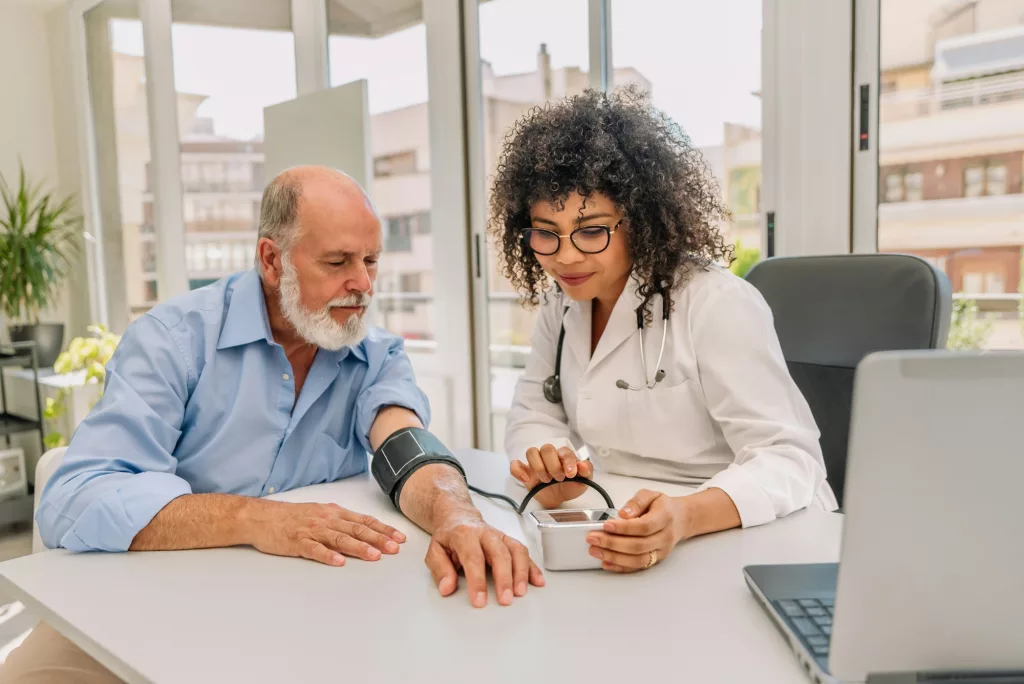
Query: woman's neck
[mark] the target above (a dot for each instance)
(601, 310)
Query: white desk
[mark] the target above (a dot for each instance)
(234, 615)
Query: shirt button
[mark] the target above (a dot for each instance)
(285, 376)
(270, 491)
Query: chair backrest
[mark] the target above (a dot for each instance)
(45, 468)
(832, 311)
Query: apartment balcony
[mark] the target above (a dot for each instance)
(962, 222)
(942, 98)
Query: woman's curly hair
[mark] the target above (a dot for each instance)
(619, 145)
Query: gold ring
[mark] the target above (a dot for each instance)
(652, 558)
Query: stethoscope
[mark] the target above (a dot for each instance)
(553, 385)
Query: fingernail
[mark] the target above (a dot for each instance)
(480, 599)
(374, 554)
(391, 546)
(506, 597)
(398, 536)
(571, 471)
(627, 510)
(540, 581)
(339, 560)
(609, 527)
(592, 539)
(521, 589)
(595, 552)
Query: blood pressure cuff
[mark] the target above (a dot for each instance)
(405, 452)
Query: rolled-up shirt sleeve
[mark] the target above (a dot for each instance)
(394, 384)
(119, 469)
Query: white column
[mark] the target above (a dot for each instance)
(599, 29)
(865, 161)
(450, 207)
(807, 69)
(309, 25)
(165, 164)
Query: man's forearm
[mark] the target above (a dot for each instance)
(435, 493)
(199, 521)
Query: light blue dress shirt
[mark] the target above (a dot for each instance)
(199, 398)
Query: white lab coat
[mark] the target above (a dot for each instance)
(727, 414)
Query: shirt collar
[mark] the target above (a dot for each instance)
(247, 321)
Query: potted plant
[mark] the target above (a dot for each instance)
(37, 242)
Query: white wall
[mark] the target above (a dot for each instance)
(37, 123)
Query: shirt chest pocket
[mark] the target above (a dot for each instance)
(670, 423)
(329, 461)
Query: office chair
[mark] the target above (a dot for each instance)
(832, 311)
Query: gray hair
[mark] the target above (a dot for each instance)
(279, 213)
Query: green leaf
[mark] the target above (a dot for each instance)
(39, 236)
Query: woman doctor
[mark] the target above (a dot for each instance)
(664, 364)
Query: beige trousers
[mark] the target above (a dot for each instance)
(47, 657)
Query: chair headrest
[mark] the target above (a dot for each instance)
(835, 310)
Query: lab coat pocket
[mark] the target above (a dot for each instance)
(671, 423)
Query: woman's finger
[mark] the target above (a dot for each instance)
(568, 460)
(537, 464)
(612, 567)
(626, 560)
(640, 502)
(553, 464)
(585, 469)
(520, 471)
(628, 545)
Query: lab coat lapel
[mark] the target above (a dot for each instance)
(621, 325)
(577, 331)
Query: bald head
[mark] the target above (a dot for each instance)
(297, 197)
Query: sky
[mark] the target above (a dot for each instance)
(702, 58)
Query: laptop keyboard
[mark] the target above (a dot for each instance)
(811, 619)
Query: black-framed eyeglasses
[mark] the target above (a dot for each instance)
(588, 239)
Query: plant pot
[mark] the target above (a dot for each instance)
(49, 339)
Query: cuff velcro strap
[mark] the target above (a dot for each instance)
(404, 452)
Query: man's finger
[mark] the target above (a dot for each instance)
(553, 464)
(374, 524)
(569, 461)
(500, 559)
(640, 502)
(347, 545)
(474, 566)
(537, 464)
(316, 551)
(446, 577)
(366, 534)
(520, 566)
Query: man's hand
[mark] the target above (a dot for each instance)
(465, 542)
(322, 532)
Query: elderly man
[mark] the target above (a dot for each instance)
(262, 382)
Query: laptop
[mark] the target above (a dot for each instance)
(931, 573)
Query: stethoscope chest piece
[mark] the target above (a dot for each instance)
(553, 389)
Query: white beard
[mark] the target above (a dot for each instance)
(318, 327)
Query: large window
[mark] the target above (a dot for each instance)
(224, 77)
(951, 121)
(525, 63)
(391, 55)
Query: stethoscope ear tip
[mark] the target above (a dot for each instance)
(660, 375)
(622, 384)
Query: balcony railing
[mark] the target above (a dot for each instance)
(935, 99)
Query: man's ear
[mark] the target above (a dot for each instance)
(269, 261)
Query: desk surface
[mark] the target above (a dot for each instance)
(237, 615)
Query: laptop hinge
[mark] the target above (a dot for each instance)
(947, 678)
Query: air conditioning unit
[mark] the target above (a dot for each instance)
(12, 473)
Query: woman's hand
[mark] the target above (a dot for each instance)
(548, 463)
(649, 527)
(651, 524)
